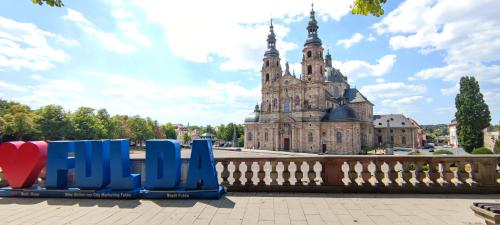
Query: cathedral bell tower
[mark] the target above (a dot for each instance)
(313, 64)
(271, 67)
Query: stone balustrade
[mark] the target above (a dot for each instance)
(383, 174)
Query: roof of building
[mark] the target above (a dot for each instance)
(341, 113)
(334, 75)
(395, 121)
(352, 95)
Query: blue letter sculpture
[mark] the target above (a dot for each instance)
(58, 163)
(202, 173)
(121, 179)
(163, 164)
(92, 164)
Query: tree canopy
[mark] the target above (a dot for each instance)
(473, 115)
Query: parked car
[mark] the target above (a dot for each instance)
(429, 146)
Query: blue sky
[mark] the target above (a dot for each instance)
(199, 61)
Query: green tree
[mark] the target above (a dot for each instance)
(169, 131)
(366, 7)
(157, 130)
(53, 122)
(186, 138)
(18, 121)
(52, 3)
(107, 124)
(139, 129)
(120, 124)
(85, 124)
(472, 114)
(207, 129)
(220, 134)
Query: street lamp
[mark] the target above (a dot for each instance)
(389, 143)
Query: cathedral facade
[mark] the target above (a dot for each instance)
(317, 112)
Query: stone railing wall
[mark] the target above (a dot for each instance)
(381, 174)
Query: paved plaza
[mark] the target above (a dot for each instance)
(250, 208)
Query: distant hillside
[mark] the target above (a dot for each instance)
(436, 129)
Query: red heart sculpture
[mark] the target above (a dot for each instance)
(22, 162)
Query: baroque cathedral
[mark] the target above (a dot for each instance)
(317, 113)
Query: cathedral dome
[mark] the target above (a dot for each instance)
(341, 113)
(253, 117)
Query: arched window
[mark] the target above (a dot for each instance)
(339, 137)
(249, 136)
(309, 54)
(403, 140)
(267, 63)
(269, 108)
(267, 77)
(286, 106)
(265, 136)
(335, 91)
(275, 102)
(277, 63)
(310, 137)
(297, 100)
(309, 69)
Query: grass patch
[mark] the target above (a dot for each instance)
(482, 150)
(442, 152)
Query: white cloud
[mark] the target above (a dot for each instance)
(128, 26)
(208, 103)
(450, 91)
(371, 38)
(402, 101)
(467, 31)
(234, 31)
(392, 90)
(4, 85)
(357, 68)
(380, 80)
(24, 45)
(453, 72)
(36, 77)
(347, 43)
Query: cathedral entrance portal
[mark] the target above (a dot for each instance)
(286, 144)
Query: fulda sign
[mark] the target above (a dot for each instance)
(102, 169)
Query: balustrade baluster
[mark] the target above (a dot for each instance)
(447, 174)
(352, 173)
(392, 174)
(365, 173)
(407, 174)
(249, 173)
(433, 174)
(298, 173)
(379, 174)
(286, 173)
(237, 173)
(311, 174)
(225, 173)
(261, 174)
(274, 174)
